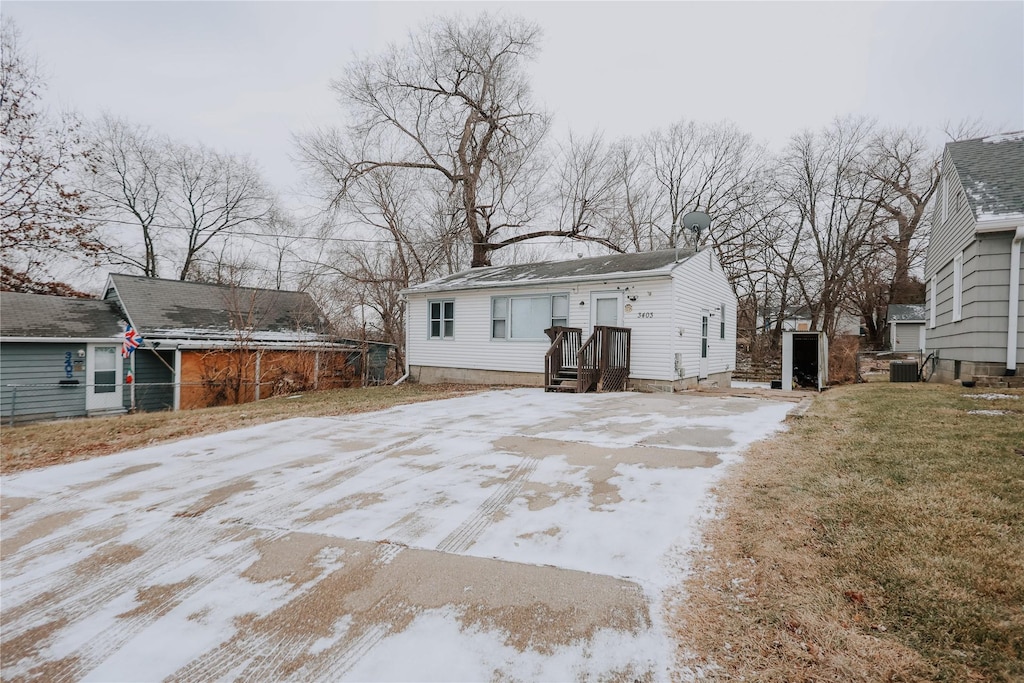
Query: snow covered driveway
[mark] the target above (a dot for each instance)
(505, 535)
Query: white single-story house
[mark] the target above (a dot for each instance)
(906, 327)
(487, 325)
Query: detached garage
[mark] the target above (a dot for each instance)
(906, 327)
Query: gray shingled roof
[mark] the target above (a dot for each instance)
(50, 317)
(169, 308)
(991, 170)
(905, 313)
(530, 273)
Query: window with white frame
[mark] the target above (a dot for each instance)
(526, 317)
(442, 319)
(721, 322)
(958, 286)
(931, 303)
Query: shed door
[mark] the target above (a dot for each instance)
(103, 377)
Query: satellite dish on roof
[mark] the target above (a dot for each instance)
(696, 222)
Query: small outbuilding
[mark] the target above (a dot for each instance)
(906, 327)
(669, 315)
(208, 344)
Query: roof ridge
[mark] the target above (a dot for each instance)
(206, 284)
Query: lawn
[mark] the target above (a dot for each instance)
(881, 538)
(51, 443)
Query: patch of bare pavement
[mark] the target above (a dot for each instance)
(506, 536)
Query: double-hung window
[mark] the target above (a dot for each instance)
(442, 319)
(721, 322)
(526, 317)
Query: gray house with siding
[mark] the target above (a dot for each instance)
(204, 344)
(59, 357)
(975, 321)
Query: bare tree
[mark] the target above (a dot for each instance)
(212, 193)
(40, 215)
(126, 183)
(453, 103)
(825, 191)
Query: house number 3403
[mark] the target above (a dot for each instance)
(645, 314)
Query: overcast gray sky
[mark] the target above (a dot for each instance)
(244, 76)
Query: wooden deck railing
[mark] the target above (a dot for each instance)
(615, 348)
(601, 363)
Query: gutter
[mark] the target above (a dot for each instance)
(1013, 318)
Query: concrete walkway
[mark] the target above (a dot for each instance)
(511, 535)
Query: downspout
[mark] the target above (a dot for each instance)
(1013, 318)
(405, 300)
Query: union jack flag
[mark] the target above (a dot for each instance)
(132, 341)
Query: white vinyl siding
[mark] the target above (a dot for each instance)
(695, 288)
(663, 313)
(473, 347)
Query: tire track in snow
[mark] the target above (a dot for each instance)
(76, 601)
(466, 534)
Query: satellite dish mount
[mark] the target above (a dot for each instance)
(696, 222)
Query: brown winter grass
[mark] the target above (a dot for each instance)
(880, 539)
(50, 443)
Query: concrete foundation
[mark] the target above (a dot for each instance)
(946, 370)
(425, 374)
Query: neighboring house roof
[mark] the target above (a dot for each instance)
(907, 313)
(176, 309)
(57, 317)
(991, 170)
(614, 266)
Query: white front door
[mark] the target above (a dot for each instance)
(702, 370)
(606, 309)
(103, 377)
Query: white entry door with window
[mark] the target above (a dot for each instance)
(606, 309)
(702, 370)
(103, 373)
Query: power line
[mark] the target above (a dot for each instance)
(315, 238)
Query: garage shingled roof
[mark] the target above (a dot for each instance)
(159, 307)
(54, 317)
(905, 313)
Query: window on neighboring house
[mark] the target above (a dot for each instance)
(526, 317)
(958, 286)
(721, 322)
(442, 319)
(931, 303)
